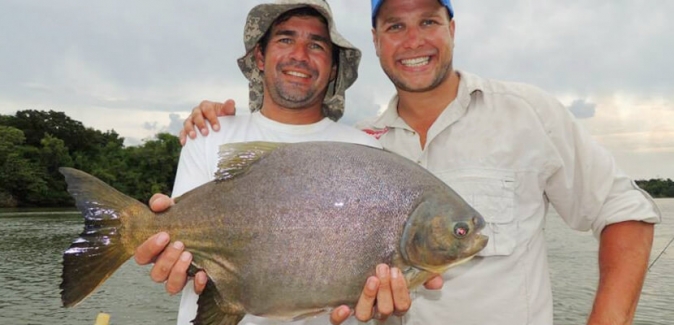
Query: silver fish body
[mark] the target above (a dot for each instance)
(290, 230)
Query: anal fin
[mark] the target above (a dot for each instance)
(211, 311)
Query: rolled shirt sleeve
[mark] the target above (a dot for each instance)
(588, 189)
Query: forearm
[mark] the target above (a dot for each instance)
(624, 250)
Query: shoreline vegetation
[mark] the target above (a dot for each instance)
(34, 144)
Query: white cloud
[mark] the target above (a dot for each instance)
(128, 64)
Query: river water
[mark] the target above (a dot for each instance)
(31, 244)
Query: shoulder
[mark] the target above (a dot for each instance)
(345, 133)
(366, 124)
(521, 97)
(526, 93)
(230, 127)
(234, 122)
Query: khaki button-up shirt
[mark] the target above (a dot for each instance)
(510, 150)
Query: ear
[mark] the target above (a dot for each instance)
(375, 41)
(452, 28)
(259, 58)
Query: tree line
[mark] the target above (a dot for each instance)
(34, 144)
(657, 188)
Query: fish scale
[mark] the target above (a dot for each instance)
(285, 230)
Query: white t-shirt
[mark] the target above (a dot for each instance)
(198, 163)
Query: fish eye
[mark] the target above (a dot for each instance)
(461, 229)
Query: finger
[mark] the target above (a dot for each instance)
(200, 280)
(401, 295)
(384, 295)
(434, 283)
(178, 275)
(365, 303)
(151, 248)
(188, 126)
(165, 262)
(209, 111)
(183, 137)
(160, 202)
(339, 315)
(197, 118)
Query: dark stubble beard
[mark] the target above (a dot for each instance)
(442, 75)
(283, 94)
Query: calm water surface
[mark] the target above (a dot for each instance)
(31, 244)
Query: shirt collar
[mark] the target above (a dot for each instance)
(468, 84)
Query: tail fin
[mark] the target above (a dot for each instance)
(99, 251)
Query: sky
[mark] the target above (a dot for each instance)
(139, 67)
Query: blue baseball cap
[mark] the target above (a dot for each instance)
(377, 3)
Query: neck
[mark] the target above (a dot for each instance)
(420, 109)
(296, 116)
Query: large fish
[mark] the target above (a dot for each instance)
(285, 230)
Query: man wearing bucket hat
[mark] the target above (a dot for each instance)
(447, 121)
(299, 68)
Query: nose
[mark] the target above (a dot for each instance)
(299, 52)
(478, 221)
(413, 38)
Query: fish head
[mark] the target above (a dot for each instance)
(442, 233)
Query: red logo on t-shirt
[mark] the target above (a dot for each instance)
(376, 133)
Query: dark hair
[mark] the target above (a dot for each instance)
(298, 12)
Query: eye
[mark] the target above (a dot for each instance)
(428, 22)
(394, 27)
(315, 46)
(461, 229)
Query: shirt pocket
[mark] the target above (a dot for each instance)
(492, 193)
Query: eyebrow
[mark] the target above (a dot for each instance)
(397, 19)
(292, 33)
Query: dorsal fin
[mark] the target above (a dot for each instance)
(236, 158)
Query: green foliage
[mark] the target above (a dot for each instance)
(153, 167)
(21, 179)
(34, 144)
(657, 188)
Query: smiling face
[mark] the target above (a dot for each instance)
(414, 40)
(297, 63)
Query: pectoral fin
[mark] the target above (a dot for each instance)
(236, 158)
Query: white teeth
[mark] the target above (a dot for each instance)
(297, 74)
(416, 62)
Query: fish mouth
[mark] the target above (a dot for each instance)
(480, 241)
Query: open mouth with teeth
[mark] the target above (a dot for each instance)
(297, 74)
(416, 62)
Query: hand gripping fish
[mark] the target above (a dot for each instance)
(284, 231)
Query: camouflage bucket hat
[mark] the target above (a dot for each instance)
(260, 19)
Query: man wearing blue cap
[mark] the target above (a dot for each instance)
(510, 150)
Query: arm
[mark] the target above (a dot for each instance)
(591, 193)
(623, 259)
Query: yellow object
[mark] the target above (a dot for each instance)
(102, 319)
